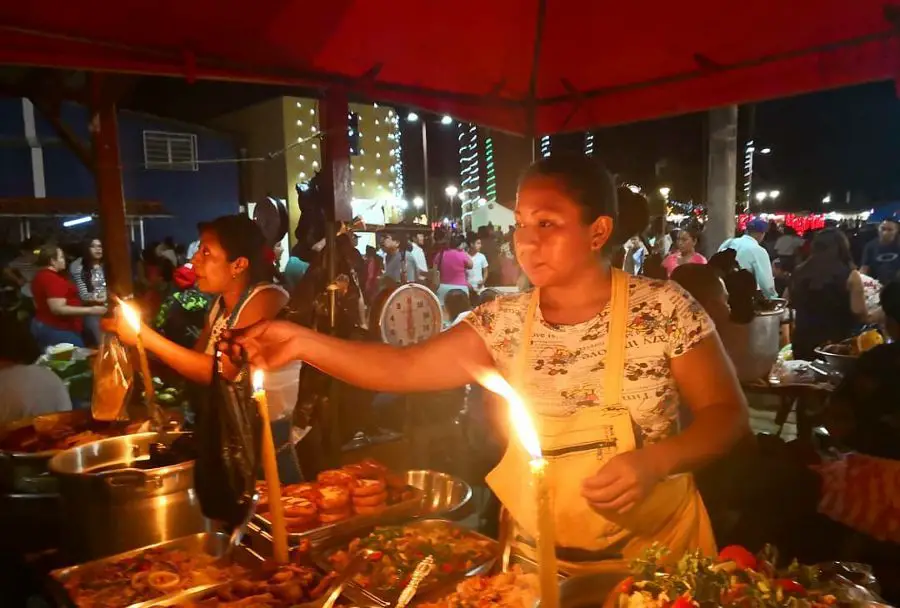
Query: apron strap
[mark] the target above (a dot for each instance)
(615, 346)
(615, 341)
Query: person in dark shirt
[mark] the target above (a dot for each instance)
(881, 257)
(864, 411)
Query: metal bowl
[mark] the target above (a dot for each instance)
(446, 496)
(838, 363)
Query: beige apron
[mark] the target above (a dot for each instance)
(576, 447)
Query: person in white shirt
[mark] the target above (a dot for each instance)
(418, 256)
(477, 275)
(28, 390)
(786, 248)
(635, 252)
(753, 257)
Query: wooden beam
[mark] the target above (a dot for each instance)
(335, 155)
(104, 128)
(50, 111)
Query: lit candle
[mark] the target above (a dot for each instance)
(527, 435)
(270, 468)
(133, 317)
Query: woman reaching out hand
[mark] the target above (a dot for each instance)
(603, 360)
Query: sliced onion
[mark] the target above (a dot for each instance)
(163, 580)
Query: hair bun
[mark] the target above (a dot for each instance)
(634, 215)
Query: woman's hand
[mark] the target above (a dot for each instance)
(622, 482)
(119, 325)
(98, 310)
(267, 344)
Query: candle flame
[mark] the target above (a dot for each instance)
(258, 377)
(518, 411)
(131, 315)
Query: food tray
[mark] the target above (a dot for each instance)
(210, 543)
(362, 597)
(394, 513)
(197, 595)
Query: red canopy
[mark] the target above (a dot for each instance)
(594, 63)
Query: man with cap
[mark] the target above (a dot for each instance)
(753, 257)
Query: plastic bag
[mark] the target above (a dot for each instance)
(227, 432)
(113, 380)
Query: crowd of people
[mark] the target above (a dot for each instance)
(606, 358)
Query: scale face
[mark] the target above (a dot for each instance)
(411, 314)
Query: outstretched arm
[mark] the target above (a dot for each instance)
(446, 361)
(195, 365)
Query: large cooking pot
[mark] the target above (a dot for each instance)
(112, 502)
(25, 472)
(753, 347)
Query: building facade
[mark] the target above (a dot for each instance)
(189, 169)
(289, 128)
(490, 162)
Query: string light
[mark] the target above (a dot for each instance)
(545, 146)
(490, 189)
(383, 127)
(589, 144)
(469, 178)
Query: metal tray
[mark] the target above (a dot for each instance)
(362, 596)
(589, 591)
(210, 543)
(198, 595)
(394, 513)
(529, 566)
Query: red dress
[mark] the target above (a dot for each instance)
(51, 284)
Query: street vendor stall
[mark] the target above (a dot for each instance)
(525, 75)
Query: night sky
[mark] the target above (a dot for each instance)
(832, 142)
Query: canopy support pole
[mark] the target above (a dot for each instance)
(336, 188)
(533, 79)
(337, 192)
(104, 129)
(721, 176)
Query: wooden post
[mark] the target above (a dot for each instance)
(337, 192)
(104, 129)
(336, 156)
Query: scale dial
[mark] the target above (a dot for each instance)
(411, 314)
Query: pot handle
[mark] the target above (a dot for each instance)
(133, 478)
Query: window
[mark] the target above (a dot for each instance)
(170, 151)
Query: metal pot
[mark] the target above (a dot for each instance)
(754, 347)
(113, 506)
(26, 472)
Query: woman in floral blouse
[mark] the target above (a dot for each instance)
(603, 361)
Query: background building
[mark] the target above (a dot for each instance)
(188, 169)
(288, 128)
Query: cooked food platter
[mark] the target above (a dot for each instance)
(341, 501)
(139, 578)
(458, 553)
